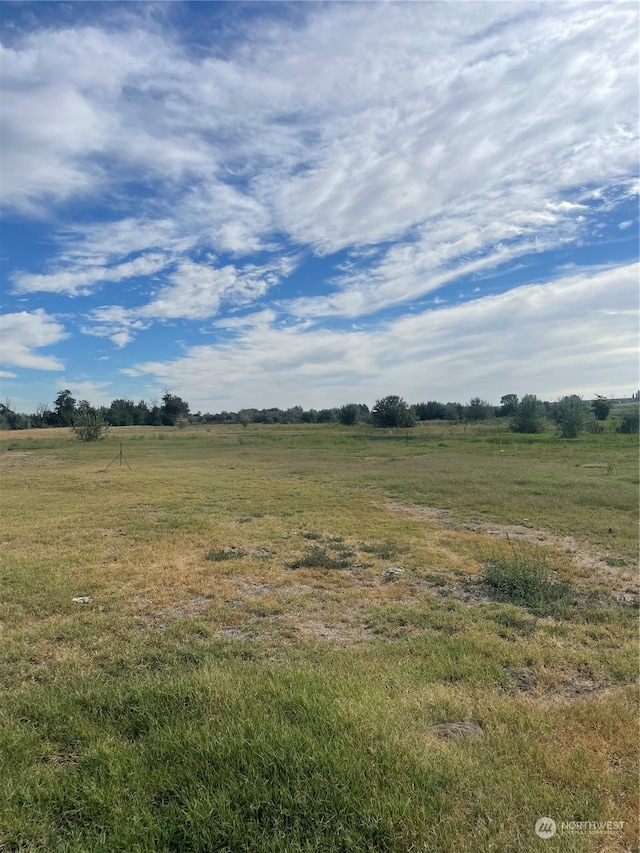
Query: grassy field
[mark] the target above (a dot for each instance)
(318, 639)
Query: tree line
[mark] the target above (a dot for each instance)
(571, 414)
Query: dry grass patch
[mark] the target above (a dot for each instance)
(257, 677)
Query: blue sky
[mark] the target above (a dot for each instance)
(272, 204)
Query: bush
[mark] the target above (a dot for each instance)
(430, 411)
(392, 411)
(571, 415)
(630, 423)
(478, 410)
(520, 576)
(353, 413)
(89, 425)
(529, 415)
(601, 409)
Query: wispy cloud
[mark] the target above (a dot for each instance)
(76, 280)
(562, 334)
(329, 163)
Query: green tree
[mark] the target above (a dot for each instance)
(529, 415)
(453, 411)
(327, 416)
(353, 413)
(172, 408)
(121, 412)
(509, 404)
(478, 410)
(9, 419)
(430, 411)
(571, 415)
(392, 411)
(630, 422)
(64, 408)
(601, 408)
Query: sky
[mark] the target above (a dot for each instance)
(278, 204)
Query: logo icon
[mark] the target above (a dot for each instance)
(546, 827)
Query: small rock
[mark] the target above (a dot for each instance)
(456, 731)
(392, 573)
(82, 599)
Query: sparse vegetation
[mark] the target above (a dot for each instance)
(169, 683)
(520, 574)
(88, 424)
(324, 557)
(630, 422)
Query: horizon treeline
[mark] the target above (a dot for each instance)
(528, 414)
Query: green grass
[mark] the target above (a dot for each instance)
(210, 698)
(323, 557)
(520, 575)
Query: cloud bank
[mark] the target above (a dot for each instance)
(359, 174)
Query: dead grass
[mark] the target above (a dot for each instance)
(422, 648)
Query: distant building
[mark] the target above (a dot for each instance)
(634, 398)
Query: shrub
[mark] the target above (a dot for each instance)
(520, 576)
(570, 415)
(630, 422)
(529, 415)
(601, 409)
(319, 557)
(88, 424)
(353, 413)
(430, 411)
(478, 410)
(392, 411)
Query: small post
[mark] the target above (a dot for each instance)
(120, 457)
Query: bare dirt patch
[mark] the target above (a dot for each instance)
(626, 586)
(524, 678)
(341, 634)
(21, 459)
(248, 589)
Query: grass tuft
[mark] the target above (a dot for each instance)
(219, 555)
(321, 557)
(520, 575)
(386, 550)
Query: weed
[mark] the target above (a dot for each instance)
(386, 550)
(520, 575)
(319, 557)
(219, 555)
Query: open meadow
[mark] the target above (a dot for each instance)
(313, 638)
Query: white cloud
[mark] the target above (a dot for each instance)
(24, 332)
(542, 338)
(114, 322)
(448, 112)
(80, 280)
(195, 292)
(428, 141)
(626, 224)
